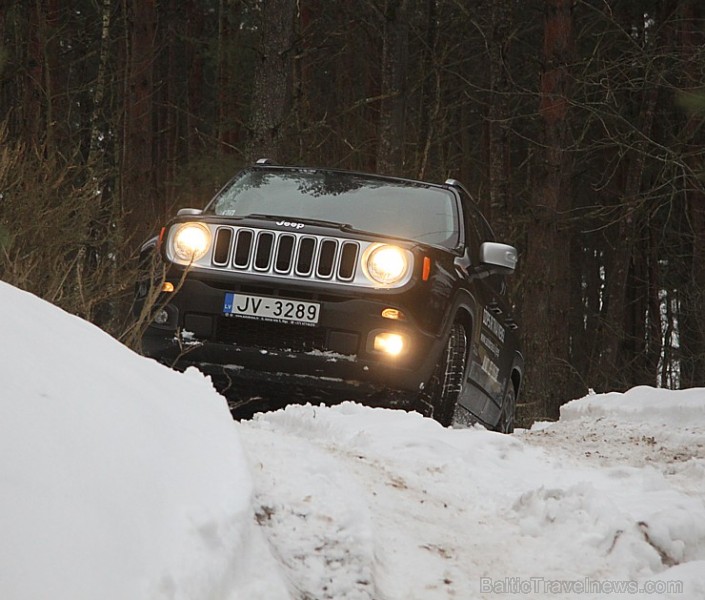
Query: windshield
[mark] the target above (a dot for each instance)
(387, 207)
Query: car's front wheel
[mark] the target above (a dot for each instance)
(447, 380)
(506, 416)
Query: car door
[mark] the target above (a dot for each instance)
(492, 349)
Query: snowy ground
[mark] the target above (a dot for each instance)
(120, 479)
(362, 503)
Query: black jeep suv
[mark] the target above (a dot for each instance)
(315, 284)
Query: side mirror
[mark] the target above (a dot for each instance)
(189, 212)
(501, 258)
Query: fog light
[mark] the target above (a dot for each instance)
(161, 317)
(167, 286)
(389, 343)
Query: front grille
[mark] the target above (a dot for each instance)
(281, 253)
(270, 336)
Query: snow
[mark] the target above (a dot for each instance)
(122, 479)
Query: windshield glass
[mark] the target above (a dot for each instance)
(394, 208)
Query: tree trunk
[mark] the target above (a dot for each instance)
(390, 148)
(692, 324)
(270, 97)
(167, 76)
(138, 139)
(98, 125)
(228, 33)
(56, 80)
(546, 294)
(33, 90)
(498, 115)
(195, 82)
(430, 90)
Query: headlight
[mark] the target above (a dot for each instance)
(191, 241)
(386, 264)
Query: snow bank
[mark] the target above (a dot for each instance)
(120, 478)
(677, 408)
(646, 451)
(662, 429)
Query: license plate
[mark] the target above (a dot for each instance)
(277, 310)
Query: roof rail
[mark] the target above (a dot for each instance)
(264, 161)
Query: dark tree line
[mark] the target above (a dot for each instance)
(576, 123)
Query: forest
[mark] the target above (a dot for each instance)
(576, 124)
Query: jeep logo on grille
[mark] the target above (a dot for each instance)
(291, 224)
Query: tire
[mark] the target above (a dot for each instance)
(447, 379)
(505, 424)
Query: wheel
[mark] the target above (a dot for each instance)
(506, 416)
(447, 380)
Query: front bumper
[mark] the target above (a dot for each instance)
(332, 361)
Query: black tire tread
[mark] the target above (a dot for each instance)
(447, 380)
(505, 424)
